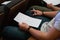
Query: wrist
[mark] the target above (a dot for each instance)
(43, 13)
(28, 28)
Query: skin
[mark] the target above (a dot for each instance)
(39, 35)
(51, 6)
(37, 12)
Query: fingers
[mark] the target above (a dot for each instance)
(50, 4)
(23, 23)
(35, 12)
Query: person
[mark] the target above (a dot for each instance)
(46, 29)
(45, 34)
(49, 33)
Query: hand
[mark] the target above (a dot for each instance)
(50, 5)
(37, 12)
(23, 26)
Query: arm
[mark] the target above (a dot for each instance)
(48, 14)
(51, 35)
(55, 8)
(51, 6)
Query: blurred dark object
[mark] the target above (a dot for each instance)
(43, 3)
(1, 1)
(2, 17)
(3, 14)
(58, 5)
(36, 2)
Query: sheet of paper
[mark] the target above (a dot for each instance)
(29, 20)
(54, 2)
(6, 2)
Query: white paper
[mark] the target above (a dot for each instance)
(54, 2)
(6, 2)
(26, 19)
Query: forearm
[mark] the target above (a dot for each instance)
(37, 34)
(50, 14)
(55, 8)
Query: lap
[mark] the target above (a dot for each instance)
(15, 32)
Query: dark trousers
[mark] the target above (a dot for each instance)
(14, 33)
